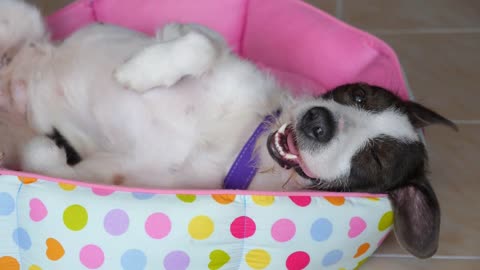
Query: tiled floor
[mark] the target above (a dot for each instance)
(438, 43)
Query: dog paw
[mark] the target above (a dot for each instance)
(41, 154)
(131, 75)
(152, 67)
(170, 31)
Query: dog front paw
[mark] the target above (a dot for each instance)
(131, 75)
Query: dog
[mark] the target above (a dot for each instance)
(113, 106)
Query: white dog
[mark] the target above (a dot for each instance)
(174, 111)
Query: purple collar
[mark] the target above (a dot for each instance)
(245, 166)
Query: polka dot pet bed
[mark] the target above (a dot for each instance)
(56, 224)
(53, 224)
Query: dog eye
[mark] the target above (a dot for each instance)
(359, 96)
(318, 132)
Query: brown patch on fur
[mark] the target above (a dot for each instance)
(118, 180)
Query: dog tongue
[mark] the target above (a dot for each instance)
(292, 148)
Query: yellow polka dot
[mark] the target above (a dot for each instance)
(34, 267)
(258, 259)
(342, 268)
(27, 180)
(360, 263)
(200, 227)
(263, 200)
(75, 217)
(9, 263)
(375, 199)
(386, 221)
(67, 187)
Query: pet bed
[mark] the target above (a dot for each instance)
(50, 224)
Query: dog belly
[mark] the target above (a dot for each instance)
(186, 136)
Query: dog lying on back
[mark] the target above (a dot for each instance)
(116, 107)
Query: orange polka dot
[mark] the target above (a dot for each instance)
(9, 263)
(27, 180)
(224, 198)
(362, 249)
(337, 201)
(55, 250)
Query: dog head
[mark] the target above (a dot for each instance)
(363, 138)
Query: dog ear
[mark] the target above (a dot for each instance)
(417, 218)
(421, 116)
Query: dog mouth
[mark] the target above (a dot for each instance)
(282, 147)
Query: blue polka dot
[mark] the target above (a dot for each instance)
(321, 229)
(22, 239)
(133, 259)
(7, 204)
(332, 257)
(142, 196)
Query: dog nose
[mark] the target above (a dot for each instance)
(318, 124)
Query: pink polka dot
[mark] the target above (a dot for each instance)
(283, 230)
(298, 260)
(38, 211)
(301, 201)
(91, 256)
(158, 225)
(357, 226)
(102, 191)
(242, 227)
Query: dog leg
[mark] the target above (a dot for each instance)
(42, 155)
(182, 50)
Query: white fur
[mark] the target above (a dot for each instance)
(165, 112)
(183, 136)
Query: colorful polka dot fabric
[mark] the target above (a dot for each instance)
(49, 224)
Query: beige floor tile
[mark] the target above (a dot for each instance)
(455, 177)
(325, 5)
(49, 6)
(415, 264)
(395, 14)
(443, 70)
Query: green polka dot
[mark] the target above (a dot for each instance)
(188, 198)
(75, 217)
(218, 258)
(386, 221)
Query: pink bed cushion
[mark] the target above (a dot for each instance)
(303, 47)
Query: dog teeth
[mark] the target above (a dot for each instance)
(279, 147)
(283, 128)
(290, 156)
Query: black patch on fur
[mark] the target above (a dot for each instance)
(417, 217)
(389, 165)
(386, 163)
(375, 99)
(73, 157)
